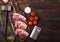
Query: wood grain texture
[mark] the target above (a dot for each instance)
(49, 13)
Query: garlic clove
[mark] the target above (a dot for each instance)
(5, 1)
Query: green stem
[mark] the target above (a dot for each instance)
(0, 16)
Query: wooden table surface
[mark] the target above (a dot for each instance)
(49, 13)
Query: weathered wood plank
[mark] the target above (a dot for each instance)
(49, 13)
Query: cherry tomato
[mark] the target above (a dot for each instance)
(30, 23)
(31, 18)
(35, 22)
(32, 14)
(36, 18)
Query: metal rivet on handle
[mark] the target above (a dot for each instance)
(3, 7)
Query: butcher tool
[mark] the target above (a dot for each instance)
(5, 10)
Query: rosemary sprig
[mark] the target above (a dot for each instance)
(0, 16)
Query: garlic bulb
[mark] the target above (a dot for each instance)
(5, 1)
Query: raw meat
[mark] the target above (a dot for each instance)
(20, 24)
(17, 16)
(21, 32)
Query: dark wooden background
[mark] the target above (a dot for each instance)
(49, 13)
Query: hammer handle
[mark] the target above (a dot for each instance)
(4, 20)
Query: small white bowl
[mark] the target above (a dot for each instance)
(27, 10)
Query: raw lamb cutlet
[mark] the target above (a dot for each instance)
(21, 32)
(17, 16)
(20, 24)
